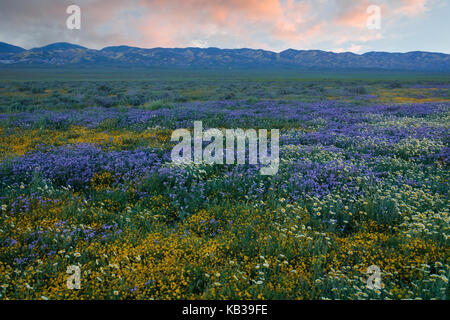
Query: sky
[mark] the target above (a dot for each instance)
(276, 25)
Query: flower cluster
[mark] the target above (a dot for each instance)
(360, 183)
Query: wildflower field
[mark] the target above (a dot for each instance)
(86, 179)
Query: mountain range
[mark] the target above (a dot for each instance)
(67, 54)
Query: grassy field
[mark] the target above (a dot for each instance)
(86, 180)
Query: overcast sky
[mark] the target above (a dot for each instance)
(333, 25)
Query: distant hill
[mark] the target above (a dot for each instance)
(67, 54)
(8, 48)
(59, 46)
(7, 53)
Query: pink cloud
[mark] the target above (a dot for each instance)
(262, 23)
(171, 22)
(266, 24)
(355, 16)
(412, 7)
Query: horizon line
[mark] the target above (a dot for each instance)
(242, 48)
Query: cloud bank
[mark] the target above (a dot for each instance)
(336, 25)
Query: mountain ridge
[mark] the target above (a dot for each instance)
(6, 47)
(67, 54)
